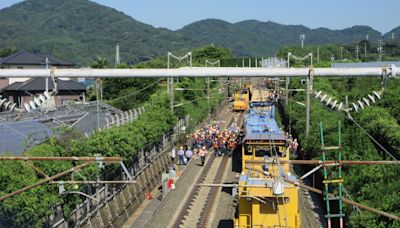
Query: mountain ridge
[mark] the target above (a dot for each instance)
(79, 30)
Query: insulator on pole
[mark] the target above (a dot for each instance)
(27, 107)
(32, 104)
(328, 101)
(12, 107)
(355, 107)
(361, 104)
(377, 95)
(317, 94)
(42, 98)
(323, 98)
(371, 98)
(47, 95)
(366, 101)
(340, 106)
(3, 101)
(334, 105)
(37, 101)
(6, 105)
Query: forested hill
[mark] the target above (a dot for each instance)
(257, 38)
(79, 30)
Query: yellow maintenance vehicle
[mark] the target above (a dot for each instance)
(264, 199)
(241, 100)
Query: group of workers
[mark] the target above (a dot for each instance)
(292, 143)
(223, 142)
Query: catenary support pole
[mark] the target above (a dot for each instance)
(308, 105)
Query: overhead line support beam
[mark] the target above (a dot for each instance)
(197, 72)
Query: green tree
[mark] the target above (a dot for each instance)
(100, 63)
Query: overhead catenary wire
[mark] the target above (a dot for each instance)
(134, 93)
(372, 138)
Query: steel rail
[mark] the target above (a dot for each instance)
(197, 72)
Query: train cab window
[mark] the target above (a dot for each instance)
(263, 152)
(247, 150)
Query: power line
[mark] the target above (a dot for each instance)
(134, 93)
(372, 138)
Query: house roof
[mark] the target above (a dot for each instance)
(17, 135)
(39, 84)
(25, 57)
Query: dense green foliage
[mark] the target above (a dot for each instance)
(255, 38)
(34, 206)
(375, 186)
(79, 31)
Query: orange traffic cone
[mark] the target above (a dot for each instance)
(149, 196)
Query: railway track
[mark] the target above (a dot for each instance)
(197, 207)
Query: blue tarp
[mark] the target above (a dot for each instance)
(261, 125)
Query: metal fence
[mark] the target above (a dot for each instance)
(123, 117)
(113, 205)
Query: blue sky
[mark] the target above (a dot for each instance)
(382, 15)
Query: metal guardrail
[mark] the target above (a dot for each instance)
(105, 194)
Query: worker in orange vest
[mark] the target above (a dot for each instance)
(202, 154)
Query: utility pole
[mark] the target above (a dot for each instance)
(302, 38)
(208, 97)
(249, 62)
(171, 89)
(170, 85)
(317, 54)
(380, 50)
(341, 53)
(357, 50)
(47, 79)
(308, 107)
(117, 57)
(287, 80)
(243, 62)
(256, 63)
(218, 63)
(365, 50)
